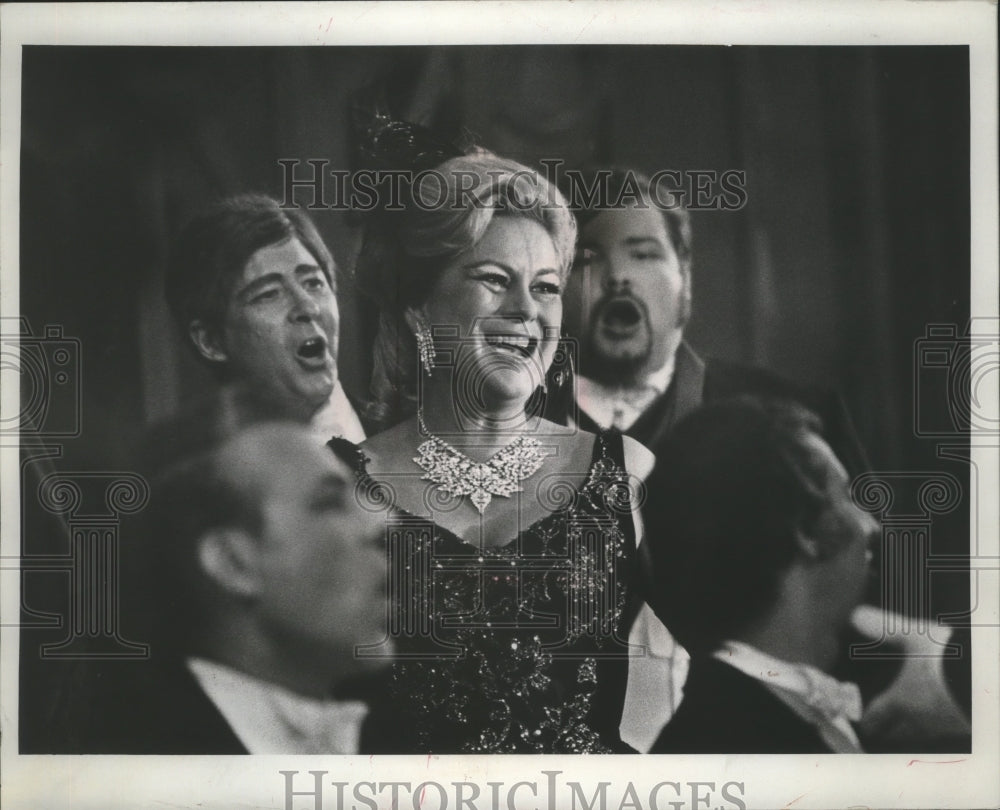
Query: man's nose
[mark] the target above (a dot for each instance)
(304, 306)
(615, 275)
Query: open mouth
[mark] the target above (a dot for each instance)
(521, 345)
(621, 315)
(312, 352)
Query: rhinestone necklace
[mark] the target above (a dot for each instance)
(457, 474)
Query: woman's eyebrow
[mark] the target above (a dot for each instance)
(491, 262)
(547, 271)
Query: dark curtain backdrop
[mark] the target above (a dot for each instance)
(854, 238)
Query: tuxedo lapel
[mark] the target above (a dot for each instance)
(156, 708)
(726, 712)
(683, 396)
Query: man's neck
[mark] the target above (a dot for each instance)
(795, 629)
(789, 643)
(621, 405)
(245, 648)
(611, 378)
(336, 417)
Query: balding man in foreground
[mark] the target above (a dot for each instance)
(271, 589)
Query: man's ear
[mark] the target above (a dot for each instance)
(206, 342)
(230, 558)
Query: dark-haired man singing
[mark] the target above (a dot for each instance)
(627, 303)
(252, 288)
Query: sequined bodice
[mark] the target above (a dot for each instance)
(505, 649)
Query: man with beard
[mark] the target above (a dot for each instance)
(627, 302)
(252, 288)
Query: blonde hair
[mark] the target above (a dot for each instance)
(403, 253)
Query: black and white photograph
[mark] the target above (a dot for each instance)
(389, 387)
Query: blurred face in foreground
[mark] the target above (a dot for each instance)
(844, 535)
(318, 566)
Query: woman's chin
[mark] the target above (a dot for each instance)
(508, 392)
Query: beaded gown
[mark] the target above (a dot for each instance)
(514, 648)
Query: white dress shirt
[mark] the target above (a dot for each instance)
(655, 680)
(269, 719)
(822, 701)
(619, 407)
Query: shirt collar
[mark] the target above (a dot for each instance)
(270, 719)
(823, 694)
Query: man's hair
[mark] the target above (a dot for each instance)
(734, 486)
(676, 218)
(212, 250)
(191, 494)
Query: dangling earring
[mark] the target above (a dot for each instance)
(564, 357)
(425, 347)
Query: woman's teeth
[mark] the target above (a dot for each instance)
(520, 343)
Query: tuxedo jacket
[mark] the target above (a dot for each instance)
(158, 707)
(696, 382)
(726, 712)
(149, 707)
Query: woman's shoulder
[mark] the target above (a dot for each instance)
(573, 445)
(385, 448)
(637, 460)
(378, 452)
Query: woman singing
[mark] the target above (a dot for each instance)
(510, 538)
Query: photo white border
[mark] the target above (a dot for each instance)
(769, 781)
